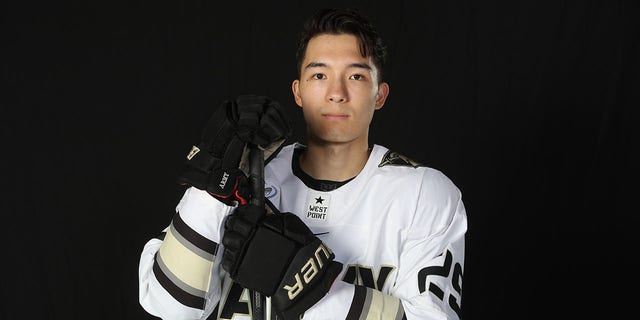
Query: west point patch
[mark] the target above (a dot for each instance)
(317, 206)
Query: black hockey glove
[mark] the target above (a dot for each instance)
(278, 256)
(214, 164)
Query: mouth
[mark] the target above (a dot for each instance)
(335, 116)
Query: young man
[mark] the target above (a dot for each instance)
(354, 231)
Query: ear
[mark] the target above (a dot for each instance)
(295, 88)
(381, 96)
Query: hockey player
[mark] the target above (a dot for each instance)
(354, 230)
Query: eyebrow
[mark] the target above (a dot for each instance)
(352, 65)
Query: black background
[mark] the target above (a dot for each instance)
(530, 107)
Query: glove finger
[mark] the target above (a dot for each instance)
(233, 241)
(274, 126)
(277, 121)
(248, 121)
(195, 178)
(229, 261)
(274, 222)
(218, 129)
(232, 153)
(296, 229)
(250, 213)
(269, 132)
(252, 103)
(250, 109)
(247, 126)
(242, 227)
(228, 223)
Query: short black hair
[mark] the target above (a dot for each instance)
(344, 21)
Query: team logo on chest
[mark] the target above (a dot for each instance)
(270, 191)
(318, 206)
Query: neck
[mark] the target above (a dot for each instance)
(334, 161)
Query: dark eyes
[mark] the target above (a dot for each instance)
(320, 76)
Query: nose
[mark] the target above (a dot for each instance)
(337, 91)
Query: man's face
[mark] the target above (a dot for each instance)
(338, 90)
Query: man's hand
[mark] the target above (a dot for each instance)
(213, 165)
(278, 256)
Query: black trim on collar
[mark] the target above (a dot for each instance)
(315, 184)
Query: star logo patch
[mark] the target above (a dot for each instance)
(317, 208)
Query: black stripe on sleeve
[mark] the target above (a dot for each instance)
(180, 295)
(359, 297)
(214, 314)
(401, 315)
(161, 236)
(193, 237)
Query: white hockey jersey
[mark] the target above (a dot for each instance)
(397, 227)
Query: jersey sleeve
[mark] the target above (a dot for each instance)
(429, 281)
(432, 261)
(179, 271)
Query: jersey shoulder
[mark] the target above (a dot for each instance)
(440, 202)
(283, 158)
(430, 179)
(437, 198)
(279, 170)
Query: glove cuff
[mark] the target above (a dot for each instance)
(308, 278)
(313, 295)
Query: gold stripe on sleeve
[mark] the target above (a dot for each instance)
(186, 265)
(383, 306)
